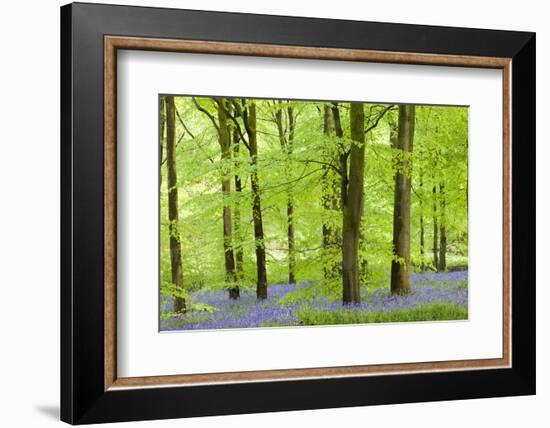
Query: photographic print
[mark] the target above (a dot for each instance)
(293, 183)
(296, 213)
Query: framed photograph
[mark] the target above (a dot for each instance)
(266, 213)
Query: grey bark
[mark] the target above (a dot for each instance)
(401, 265)
(352, 205)
(287, 142)
(224, 138)
(173, 215)
(162, 130)
(249, 118)
(237, 234)
(329, 198)
(422, 230)
(435, 230)
(442, 231)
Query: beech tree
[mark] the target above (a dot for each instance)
(442, 232)
(305, 193)
(225, 146)
(401, 264)
(422, 230)
(173, 216)
(352, 204)
(162, 136)
(224, 139)
(435, 229)
(286, 139)
(237, 235)
(331, 241)
(249, 120)
(351, 166)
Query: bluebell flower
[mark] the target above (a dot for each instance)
(247, 311)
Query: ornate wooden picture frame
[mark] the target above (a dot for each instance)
(92, 392)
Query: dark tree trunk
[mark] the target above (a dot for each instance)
(436, 230)
(173, 217)
(442, 231)
(343, 170)
(249, 117)
(290, 204)
(239, 259)
(225, 146)
(286, 146)
(343, 157)
(353, 206)
(401, 265)
(291, 243)
(162, 126)
(422, 231)
(329, 199)
(328, 195)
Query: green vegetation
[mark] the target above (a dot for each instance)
(348, 198)
(434, 312)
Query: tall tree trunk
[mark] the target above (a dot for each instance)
(249, 117)
(422, 231)
(225, 146)
(442, 231)
(422, 236)
(286, 146)
(329, 198)
(162, 126)
(173, 217)
(291, 242)
(290, 204)
(237, 235)
(436, 230)
(343, 170)
(353, 206)
(401, 265)
(328, 194)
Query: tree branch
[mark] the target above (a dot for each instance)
(163, 161)
(245, 118)
(330, 165)
(380, 116)
(286, 183)
(183, 124)
(207, 113)
(238, 127)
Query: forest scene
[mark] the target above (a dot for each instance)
(287, 213)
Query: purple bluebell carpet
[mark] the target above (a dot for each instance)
(427, 289)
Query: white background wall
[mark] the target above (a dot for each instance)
(29, 213)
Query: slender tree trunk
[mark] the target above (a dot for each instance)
(162, 126)
(401, 265)
(291, 242)
(436, 230)
(328, 194)
(173, 217)
(237, 235)
(343, 157)
(422, 235)
(442, 231)
(225, 145)
(363, 261)
(343, 169)
(290, 204)
(353, 206)
(250, 123)
(329, 199)
(422, 231)
(286, 146)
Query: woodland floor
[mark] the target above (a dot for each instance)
(433, 297)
